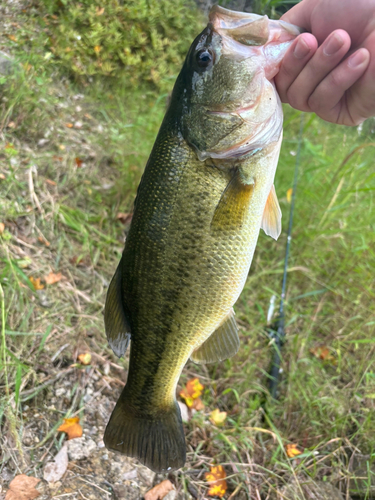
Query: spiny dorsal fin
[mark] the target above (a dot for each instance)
(271, 222)
(117, 326)
(233, 204)
(222, 344)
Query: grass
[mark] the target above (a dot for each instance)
(61, 188)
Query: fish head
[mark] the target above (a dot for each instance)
(230, 106)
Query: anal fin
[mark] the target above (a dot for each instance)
(271, 221)
(117, 325)
(222, 344)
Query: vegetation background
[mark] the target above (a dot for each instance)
(81, 99)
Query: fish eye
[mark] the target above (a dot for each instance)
(204, 58)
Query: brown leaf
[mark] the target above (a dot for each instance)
(216, 480)
(85, 358)
(79, 162)
(125, 218)
(197, 404)
(44, 241)
(51, 183)
(293, 450)
(322, 352)
(159, 491)
(54, 471)
(36, 283)
(12, 37)
(71, 427)
(99, 11)
(69, 125)
(2, 227)
(23, 488)
(53, 278)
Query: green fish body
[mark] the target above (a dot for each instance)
(206, 191)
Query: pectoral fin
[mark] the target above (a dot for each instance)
(271, 222)
(117, 325)
(222, 344)
(233, 204)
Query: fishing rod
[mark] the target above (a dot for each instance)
(277, 331)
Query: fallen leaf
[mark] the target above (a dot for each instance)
(36, 283)
(54, 471)
(53, 278)
(11, 125)
(2, 227)
(218, 417)
(289, 195)
(51, 183)
(79, 162)
(2, 177)
(198, 404)
(12, 37)
(71, 427)
(293, 450)
(99, 11)
(216, 480)
(191, 391)
(85, 359)
(159, 491)
(69, 125)
(23, 488)
(97, 48)
(125, 218)
(322, 352)
(44, 241)
(58, 158)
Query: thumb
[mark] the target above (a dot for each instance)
(300, 15)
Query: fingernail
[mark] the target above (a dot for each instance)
(356, 59)
(333, 45)
(301, 49)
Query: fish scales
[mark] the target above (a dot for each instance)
(199, 207)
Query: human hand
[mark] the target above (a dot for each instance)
(331, 70)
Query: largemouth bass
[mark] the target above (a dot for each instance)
(206, 191)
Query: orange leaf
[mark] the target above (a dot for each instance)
(36, 283)
(293, 450)
(44, 241)
(69, 125)
(79, 162)
(188, 399)
(218, 417)
(198, 404)
(51, 183)
(53, 278)
(71, 427)
(97, 48)
(194, 388)
(23, 488)
(12, 37)
(322, 352)
(216, 480)
(2, 227)
(85, 359)
(159, 491)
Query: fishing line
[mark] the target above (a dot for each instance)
(277, 332)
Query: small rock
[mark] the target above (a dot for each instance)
(307, 488)
(80, 448)
(126, 492)
(6, 63)
(184, 411)
(146, 475)
(60, 391)
(132, 474)
(172, 495)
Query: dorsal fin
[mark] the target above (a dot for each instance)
(222, 344)
(117, 327)
(271, 221)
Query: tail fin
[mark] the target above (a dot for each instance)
(158, 442)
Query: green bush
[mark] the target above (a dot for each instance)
(143, 40)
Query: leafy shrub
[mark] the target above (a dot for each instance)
(144, 40)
